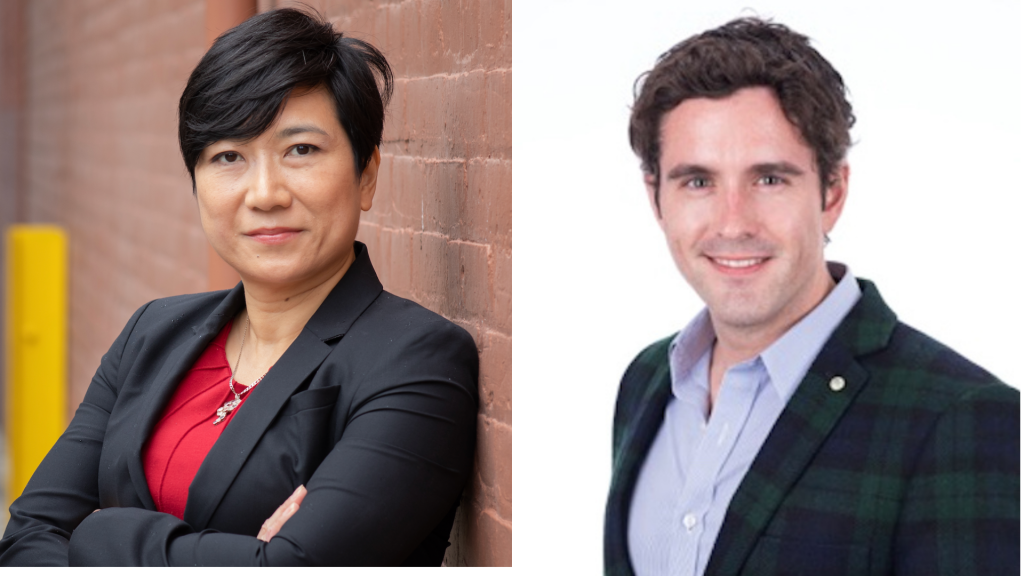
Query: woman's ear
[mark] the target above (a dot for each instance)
(368, 181)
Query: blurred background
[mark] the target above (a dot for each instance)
(88, 142)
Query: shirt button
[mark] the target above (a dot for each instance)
(689, 521)
(837, 383)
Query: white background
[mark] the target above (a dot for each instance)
(934, 214)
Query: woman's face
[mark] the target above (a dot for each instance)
(283, 209)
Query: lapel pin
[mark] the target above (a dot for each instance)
(837, 383)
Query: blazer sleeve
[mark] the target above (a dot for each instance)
(64, 488)
(398, 468)
(961, 510)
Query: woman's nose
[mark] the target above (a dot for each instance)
(266, 188)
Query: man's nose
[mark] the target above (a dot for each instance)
(737, 212)
(267, 188)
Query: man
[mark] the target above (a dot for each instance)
(795, 426)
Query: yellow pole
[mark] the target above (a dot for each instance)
(36, 344)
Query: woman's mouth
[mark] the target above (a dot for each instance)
(273, 235)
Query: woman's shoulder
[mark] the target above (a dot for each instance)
(395, 334)
(392, 313)
(190, 310)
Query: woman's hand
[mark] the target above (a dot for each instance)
(285, 511)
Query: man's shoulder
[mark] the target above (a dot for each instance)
(906, 366)
(642, 378)
(653, 357)
(932, 372)
(650, 364)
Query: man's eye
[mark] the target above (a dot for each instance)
(698, 182)
(770, 180)
(228, 157)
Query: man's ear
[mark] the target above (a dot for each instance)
(651, 183)
(368, 181)
(835, 197)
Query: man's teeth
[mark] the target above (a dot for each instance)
(739, 263)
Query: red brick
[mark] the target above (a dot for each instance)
(498, 127)
(475, 289)
(501, 314)
(465, 112)
(496, 378)
(399, 262)
(430, 265)
(424, 117)
(484, 537)
(494, 465)
(444, 180)
(487, 204)
(403, 199)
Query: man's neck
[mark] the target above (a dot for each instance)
(735, 344)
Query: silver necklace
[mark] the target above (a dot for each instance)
(230, 405)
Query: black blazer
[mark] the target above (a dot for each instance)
(373, 408)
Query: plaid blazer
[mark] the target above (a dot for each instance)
(912, 468)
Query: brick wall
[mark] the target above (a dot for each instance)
(12, 132)
(440, 231)
(103, 79)
(102, 158)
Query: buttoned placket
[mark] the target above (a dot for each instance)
(701, 468)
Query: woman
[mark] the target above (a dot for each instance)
(305, 417)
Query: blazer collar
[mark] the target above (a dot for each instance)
(807, 420)
(356, 290)
(349, 298)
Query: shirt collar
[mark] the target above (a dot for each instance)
(788, 358)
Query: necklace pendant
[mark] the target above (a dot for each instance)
(226, 409)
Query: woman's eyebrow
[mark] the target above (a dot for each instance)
(293, 130)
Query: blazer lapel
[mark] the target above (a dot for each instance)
(237, 441)
(173, 371)
(356, 290)
(809, 417)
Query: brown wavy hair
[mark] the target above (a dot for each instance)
(744, 53)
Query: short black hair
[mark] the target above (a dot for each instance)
(237, 89)
(743, 53)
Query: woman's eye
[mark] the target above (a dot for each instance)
(228, 157)
(303, 149)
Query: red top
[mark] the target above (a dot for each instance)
(185, 431)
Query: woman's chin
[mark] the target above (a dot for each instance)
(281, 275)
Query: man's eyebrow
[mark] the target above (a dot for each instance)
(301, 129)
(685, 170)
(777, 168)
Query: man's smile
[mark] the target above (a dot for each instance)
(738, 266)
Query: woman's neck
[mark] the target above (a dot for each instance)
(275, 315)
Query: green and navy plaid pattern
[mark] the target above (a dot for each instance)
(912, 466)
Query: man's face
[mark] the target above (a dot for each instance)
(741, 209)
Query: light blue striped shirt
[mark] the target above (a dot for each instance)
(696, 463)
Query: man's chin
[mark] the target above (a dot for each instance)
(738, 319)
(739, 311)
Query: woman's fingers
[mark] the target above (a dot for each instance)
(298, 495)
(285, 511)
